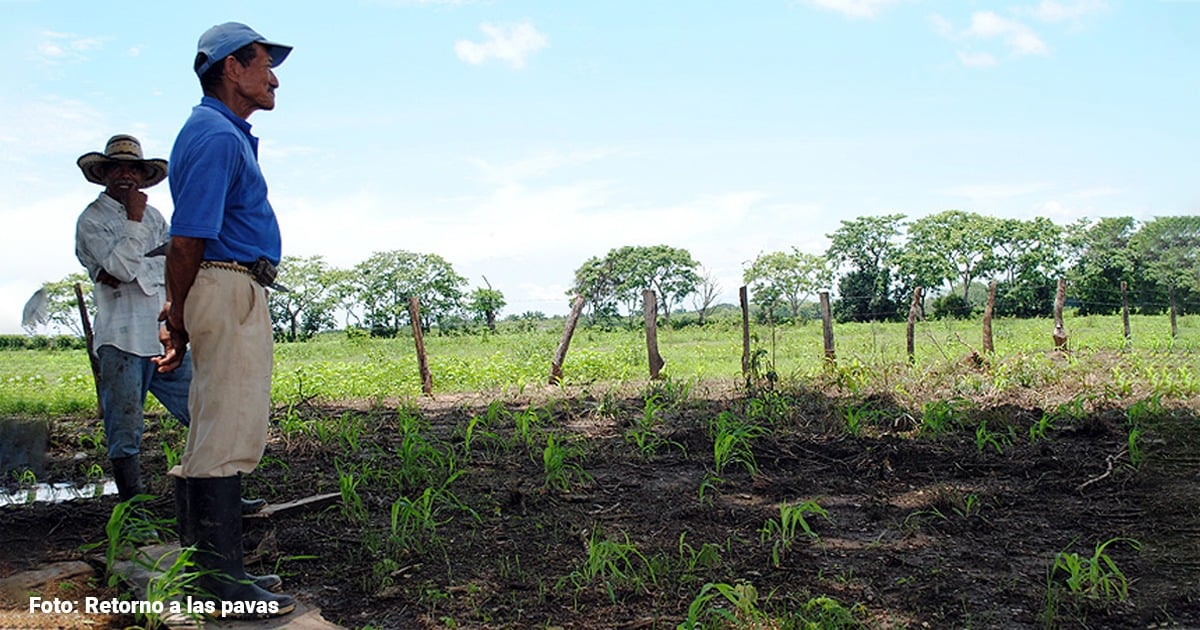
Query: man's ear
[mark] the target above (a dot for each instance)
(233, 69)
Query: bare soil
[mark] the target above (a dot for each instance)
(922, 531)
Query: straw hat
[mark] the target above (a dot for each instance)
(123, 148)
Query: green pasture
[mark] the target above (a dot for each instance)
(338, 367)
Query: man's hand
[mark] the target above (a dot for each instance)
(134, 201)
(173, 338)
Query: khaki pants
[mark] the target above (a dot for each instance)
(230, 399)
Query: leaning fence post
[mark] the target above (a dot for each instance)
(827, 325)
(912, 323)
(560, 353)
(89, 339)
(988, 310)
(650, 312)
(414, 315)
(1060, 300)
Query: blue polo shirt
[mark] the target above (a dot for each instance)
(219, 192)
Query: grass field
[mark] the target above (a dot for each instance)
(335, 367)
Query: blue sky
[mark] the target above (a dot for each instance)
(518, 138)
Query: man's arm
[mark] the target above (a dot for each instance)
(183, 262)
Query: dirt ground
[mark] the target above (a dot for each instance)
(922, 531)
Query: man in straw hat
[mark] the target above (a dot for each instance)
(115, 239)
(225, 244)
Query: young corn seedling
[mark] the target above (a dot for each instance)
(614, 563)
(1096, 578)
(562, 473)
(732, 438)
(782, 532)
(707, 611)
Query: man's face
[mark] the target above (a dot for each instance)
(256, 82)
(123, 176)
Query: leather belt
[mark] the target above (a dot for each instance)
(230, 266)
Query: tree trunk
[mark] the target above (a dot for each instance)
(560, 353)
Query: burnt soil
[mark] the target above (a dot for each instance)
(923, 530)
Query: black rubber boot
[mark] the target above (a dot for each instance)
(187, 535)
(252, 506)
(214, 506)
(128, 475)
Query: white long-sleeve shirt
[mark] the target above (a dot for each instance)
(126, 315)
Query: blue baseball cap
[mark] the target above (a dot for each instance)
(223, 40)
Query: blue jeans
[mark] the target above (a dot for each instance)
(124, 381)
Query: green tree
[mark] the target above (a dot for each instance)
(868, 246)
(486, 304)
(784, 281)
(620, 277)
(62, 308)
(311, 300)
(1028, 257)
(1167, 251)
(949, 247)
(385, 281)
(1100, 260)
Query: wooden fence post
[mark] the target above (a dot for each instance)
(912, 323)
(560, 353)
(827, 325)
(1174, 309)
(990, 308)
(744, 298)
(650, 312)
(1125, 313)
(89, 339)
(1060, 300)
(414, 315)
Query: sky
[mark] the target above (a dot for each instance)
(518, 138)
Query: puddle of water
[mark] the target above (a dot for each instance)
(57, 493)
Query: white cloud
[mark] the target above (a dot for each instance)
(512, 43)
(1020, 38)
(987, 27)
(65, 47)
(855, 9)
(1074, 11)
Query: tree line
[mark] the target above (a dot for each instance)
(873, 265)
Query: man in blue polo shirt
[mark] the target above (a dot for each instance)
(224, 246)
